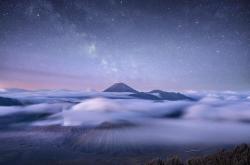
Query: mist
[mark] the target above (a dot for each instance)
(213, 118)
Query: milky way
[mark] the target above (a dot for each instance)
(90, 44)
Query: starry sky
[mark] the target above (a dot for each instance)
(148, 44)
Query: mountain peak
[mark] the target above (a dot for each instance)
(120, 87)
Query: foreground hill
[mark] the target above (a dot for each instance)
(239, 156)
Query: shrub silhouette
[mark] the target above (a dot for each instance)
(238, 156)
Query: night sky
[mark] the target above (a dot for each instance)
(148, 44)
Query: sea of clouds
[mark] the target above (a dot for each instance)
(77, 107)
(216, 117)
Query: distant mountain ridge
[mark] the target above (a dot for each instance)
(13, 90)
(173, 96)
(152, 95)
(145, 95)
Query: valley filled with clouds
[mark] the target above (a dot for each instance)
(103, 124)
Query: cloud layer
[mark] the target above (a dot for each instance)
(217, 117)
(76, 108)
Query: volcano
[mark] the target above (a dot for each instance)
(120, 87)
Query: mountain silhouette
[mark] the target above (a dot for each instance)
(143, 95)
(172, 96)
(120, 87)
(152, 95)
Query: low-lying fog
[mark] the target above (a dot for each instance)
(217, 118)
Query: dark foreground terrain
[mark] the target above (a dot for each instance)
(238, 156)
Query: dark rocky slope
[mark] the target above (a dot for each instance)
(172, 96)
